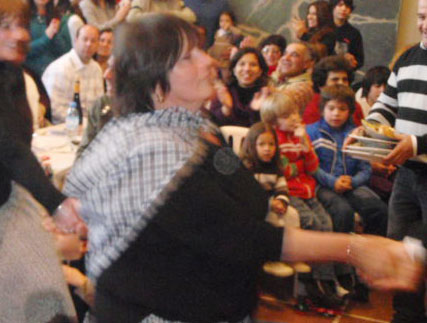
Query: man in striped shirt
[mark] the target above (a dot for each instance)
(403, 105)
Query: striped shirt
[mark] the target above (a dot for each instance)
(403, 104)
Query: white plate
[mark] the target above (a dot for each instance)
(374, 150)
(46, 143)
(364, 155)
(372, 142)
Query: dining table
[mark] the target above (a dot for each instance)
(56, 151)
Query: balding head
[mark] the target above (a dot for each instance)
(295, 61)
(86, 42)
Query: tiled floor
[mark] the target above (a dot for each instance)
(378, 310)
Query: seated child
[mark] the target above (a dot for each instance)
(226, 37)
(343, 179)
(299, 162)
(260, 155)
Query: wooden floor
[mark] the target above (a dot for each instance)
(377, 310)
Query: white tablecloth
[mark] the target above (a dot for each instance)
(53, 143)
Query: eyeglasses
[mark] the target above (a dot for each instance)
(270, 50)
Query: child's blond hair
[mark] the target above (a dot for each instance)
(277, 105)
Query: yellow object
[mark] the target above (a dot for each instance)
(380, 129)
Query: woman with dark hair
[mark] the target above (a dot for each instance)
(233, 103)
(177, 229)
(50, 37)
(32, 285)
(318, 27)
(272, 48)
(104, 13)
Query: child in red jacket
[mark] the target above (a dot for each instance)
(299, 162)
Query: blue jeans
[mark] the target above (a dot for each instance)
(362, 200)
(314, 217)
(408, 206)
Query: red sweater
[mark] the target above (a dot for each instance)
(298, 165)
(312, 111)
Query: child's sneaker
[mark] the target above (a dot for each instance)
(278, 269)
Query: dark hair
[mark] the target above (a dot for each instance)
(326, 65)
(50, 11)
(339, 92)
(105, 30)
(348, 3)
(317, 51)
(67, 7)
(228, 13)
(325, 20)
(110, 3)
(275, 39)
(144, 53)
(248, 153)
(375, 75)
(263, 79)
(15, 10)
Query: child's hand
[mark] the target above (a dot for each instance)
(385, 170)
(278, 206)
(343, 184)
(301, 133)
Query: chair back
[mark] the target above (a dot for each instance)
(234, 136)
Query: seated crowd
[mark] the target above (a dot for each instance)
(296, 98)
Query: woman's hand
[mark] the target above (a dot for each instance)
(248, 41)
(67, 218)
(279, 206)
(85, 288)
(258, 97)
(53, 28)
(122, 11)
(298, 26)
(224, 97)
(385, 264)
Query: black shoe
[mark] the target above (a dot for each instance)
(347, 282)
(322, 293)
(361, 293)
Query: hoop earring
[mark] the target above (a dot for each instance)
(159, 98)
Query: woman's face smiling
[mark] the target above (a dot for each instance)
(312, 17)
(247, 70)
(191, 79)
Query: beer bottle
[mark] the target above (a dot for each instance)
(77, 100)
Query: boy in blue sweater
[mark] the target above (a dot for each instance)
(342, 180)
